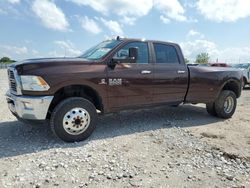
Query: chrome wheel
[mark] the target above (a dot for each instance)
(228, 104)
(76, 121)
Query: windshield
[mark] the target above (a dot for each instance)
(244, 66)
(100, 50)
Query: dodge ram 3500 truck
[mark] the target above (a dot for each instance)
(114, 75)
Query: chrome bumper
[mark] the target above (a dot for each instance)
(29, 107)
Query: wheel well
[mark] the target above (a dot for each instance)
(232, 86)
(244, 79)
(76, 91)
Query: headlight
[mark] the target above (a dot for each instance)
(34, 83)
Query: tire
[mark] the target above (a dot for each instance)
(211, 109)
(244, 84)
(228, 97)
(74, 119)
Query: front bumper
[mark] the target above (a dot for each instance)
(29, 107)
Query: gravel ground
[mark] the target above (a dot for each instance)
(159, 147)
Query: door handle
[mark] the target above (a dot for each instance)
(181, 71)
(145, 72)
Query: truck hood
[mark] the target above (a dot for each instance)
(43, 62)
(49, 60)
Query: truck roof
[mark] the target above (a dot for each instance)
(140, 39)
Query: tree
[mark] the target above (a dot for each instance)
(202, 58)
(6, 60)
(186, 60)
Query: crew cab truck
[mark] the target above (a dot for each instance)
(114, 75)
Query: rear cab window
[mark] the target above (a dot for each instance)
(165, 54)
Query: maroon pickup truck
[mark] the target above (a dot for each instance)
(115, 75)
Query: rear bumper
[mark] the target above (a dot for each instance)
(29, 107)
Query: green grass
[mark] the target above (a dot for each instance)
(8, 62)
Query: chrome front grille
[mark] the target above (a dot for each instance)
(12, 81)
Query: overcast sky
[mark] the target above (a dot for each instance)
(49, 28)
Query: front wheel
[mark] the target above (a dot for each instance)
(73, 119)
(225, 104)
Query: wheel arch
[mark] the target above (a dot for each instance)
(245, 79)
(232, 85)
(84, 91)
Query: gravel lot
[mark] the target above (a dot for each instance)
(159, 147)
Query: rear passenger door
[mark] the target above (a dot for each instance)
(170, 73)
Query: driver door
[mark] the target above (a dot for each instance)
(131, 84)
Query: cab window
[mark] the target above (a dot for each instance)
(165, 54)
(143, 56)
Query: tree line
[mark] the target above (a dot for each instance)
(202, 58)
(6, 60)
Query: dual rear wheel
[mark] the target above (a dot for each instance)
(224, 106)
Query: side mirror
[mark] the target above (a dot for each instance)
(133, 54)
